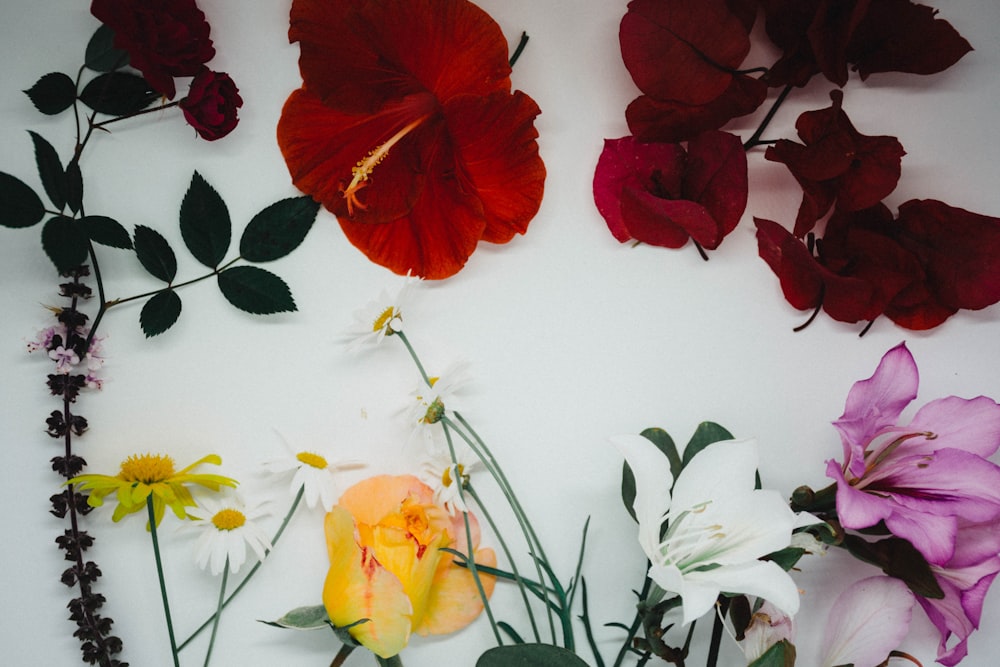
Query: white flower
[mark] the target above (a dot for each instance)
(227, 527)
(445, 476)
(718, 525)
(379, 318)
(65, 359)
(313, 474)
(430, 401)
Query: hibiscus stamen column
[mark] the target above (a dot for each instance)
(365, 167)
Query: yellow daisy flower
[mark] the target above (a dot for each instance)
(142, 475)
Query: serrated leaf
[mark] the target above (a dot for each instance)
(665, 444)
(65, 242)
(106, 231)
(74, 185)
(205, 225)
(303, 618)
(50, 170)
(19, 205)
(254, 290)
(529, 655)
(160, 312)
(101, 54)
(154, 253)
(781, 654)
(53, 93)
(704, 435)
(118, 94)
(278, 229)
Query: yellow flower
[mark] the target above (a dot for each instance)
(384, 539)
(142, 475)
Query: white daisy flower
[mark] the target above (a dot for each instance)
(379, 318)
(430, 401)
(227, 526)
(447, 477)
(313, 474)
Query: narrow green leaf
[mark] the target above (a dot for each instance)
(106, 231)
(704, 435)
(255, 290)
(665, 444)
(74, 186)
(101, 54)
(53, 93)
(154, 253)
(529, 655)
(50, 170)
(205, 224)
(19, 205)
(160, 312)
(787, 558)
(65, 242)
(303, 618)
(781, 654)
(278, 229)
(118, 94)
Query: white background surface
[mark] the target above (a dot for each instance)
(571, 336)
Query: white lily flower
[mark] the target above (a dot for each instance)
(718, 525)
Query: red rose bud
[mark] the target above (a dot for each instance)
(211, 104)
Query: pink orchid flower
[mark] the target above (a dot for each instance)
(923, 479)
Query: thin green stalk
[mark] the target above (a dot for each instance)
(135, 297)
(159, 573)
(218, 611)
(634, 628)
(253, 570)
(413, 355)
(510, 559)
(717, 628)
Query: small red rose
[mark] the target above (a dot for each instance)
(211, 104)
(163, 38)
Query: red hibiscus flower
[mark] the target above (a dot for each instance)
(684, 56)
(407, 130)
(163, 38)
(826, 36)
(918, 269)
(662, 194)
(211, 104)
(837, 163)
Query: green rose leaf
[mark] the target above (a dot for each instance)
(781, 654)
(19, 205)
(118, 94)
(65, 242)
(706, 434)
(303, 618)
(160, 312)
(529, 655)
(154, 253)
(205, 224)
(665, 444)
(50, 170)
(53, 93)
(106, 231)
(74, 186)
(255, 290)
(101, 54)
(278, 229)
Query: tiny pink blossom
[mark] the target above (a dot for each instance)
(65, 359)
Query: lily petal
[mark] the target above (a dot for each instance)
(653, 480)
(723, 470)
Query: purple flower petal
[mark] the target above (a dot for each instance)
(959, 423)
(867, 621)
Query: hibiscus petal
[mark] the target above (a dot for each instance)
(867, 621)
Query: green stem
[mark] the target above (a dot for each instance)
(253, 570)
(413, 355)
(218, 611)
(159, 573)
(217, 271)
(634, 628)
(143, 112)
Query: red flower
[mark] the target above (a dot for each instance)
(211, 104)
(837, 163)
(919, 269)
(683, 55)
(164, 38)
(406, 129)
(662, 194)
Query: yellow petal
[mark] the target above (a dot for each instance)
(357, 587)
(454, 600)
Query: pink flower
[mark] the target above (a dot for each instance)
(867, 621)
(923, 479)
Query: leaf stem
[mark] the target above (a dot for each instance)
(134, 114)
(216, 271)
(522, 42)
(159, 573)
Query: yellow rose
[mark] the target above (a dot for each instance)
(384, 538)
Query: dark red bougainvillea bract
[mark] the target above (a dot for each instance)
(407, 130)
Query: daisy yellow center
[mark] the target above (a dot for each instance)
(228, 519)
(364, 168)
(384, 319)
(447, 479)
(147, 468)
(310, 459)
